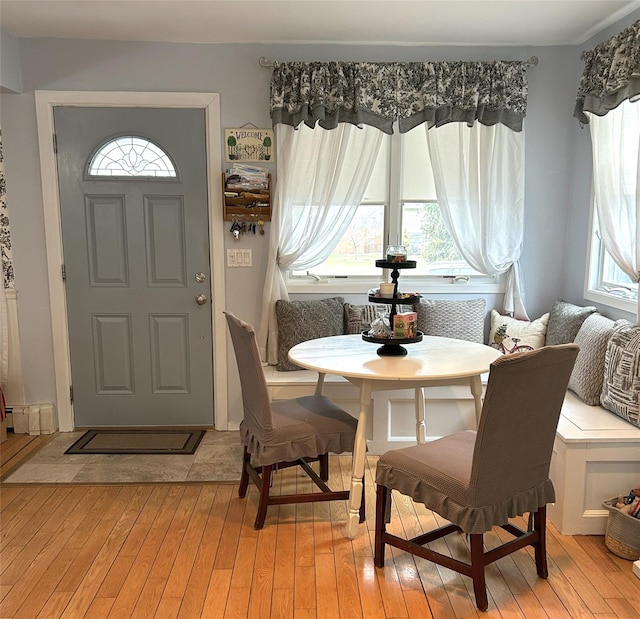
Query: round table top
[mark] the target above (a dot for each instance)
(432, 358)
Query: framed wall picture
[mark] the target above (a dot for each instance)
(248, 144)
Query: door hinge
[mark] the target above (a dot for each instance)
(71, 394)
(55, 143)
(64, 273)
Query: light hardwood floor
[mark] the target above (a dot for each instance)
(190, 550)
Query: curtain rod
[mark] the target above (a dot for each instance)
(263, 61)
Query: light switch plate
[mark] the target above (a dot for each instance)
(239, 257)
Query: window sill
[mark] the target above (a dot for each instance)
(425, 287)
(611, 300)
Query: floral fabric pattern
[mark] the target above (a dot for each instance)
(377, 94)
(611, 74)
(5, 233)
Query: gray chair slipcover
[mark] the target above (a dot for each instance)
(285, 432)
(477, 480)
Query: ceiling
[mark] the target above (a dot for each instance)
(391, 22)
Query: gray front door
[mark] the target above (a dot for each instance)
(136, 255)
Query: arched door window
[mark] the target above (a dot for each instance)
(131, 155)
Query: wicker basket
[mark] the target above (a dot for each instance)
(622, 536)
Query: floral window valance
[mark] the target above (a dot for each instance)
(611, 74)
(377, 94)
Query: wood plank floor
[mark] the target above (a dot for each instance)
(190, 550)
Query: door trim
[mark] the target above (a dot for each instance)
(209, 102)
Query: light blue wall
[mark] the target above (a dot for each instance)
(555, 221)
(10, 77)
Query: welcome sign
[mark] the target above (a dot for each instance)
(248, 144)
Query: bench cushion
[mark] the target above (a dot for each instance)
(299, 321)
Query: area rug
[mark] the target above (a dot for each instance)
(137, 442)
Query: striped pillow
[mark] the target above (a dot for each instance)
(621, 387)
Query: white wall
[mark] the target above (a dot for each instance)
(233, 71)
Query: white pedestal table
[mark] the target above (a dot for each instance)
(433, 361)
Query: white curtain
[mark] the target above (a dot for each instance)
(322, 176)
(616, 172)
(479, 179)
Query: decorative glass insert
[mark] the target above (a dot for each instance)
(130, 155)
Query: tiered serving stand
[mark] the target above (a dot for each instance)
(392, 346)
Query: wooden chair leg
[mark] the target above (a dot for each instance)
(324, 467)
(264, 497)
(244, 477)
(540, 547)
(363, 510)
(477, 570)
(381, 525)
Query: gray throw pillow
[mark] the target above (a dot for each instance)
(299, 321)
(458, 319)
(565, 320)
(621, 386)
(588, 371)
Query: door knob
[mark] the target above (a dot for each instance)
(201, 299)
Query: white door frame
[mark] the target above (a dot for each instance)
(210, 103)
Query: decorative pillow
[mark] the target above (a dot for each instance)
(565, 320)
(299, 321)
(621, 386)
(588, 371)
(461, 319)
(510, 335)
(358, 318)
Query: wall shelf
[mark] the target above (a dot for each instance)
(249, 205)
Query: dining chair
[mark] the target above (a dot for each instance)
(285, 433)
(478, 480)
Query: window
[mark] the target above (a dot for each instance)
(399, 207)
(616, 140)
(607, 282)
(131, 156)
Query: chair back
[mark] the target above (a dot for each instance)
(518, 425)
(255, 395)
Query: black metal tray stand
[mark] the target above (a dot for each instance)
(392, 346)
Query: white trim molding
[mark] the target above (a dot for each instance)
(14, 389)
(210, 103)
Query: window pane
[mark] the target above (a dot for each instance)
(378, 188)
(417, 177)
(361, 245)
(612, 273)
(131, 156)
(429, 243)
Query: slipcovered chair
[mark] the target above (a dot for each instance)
(477, 480)
(285, 433)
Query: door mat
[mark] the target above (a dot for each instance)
(137, 442)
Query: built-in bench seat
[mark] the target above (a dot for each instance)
(596, 454)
